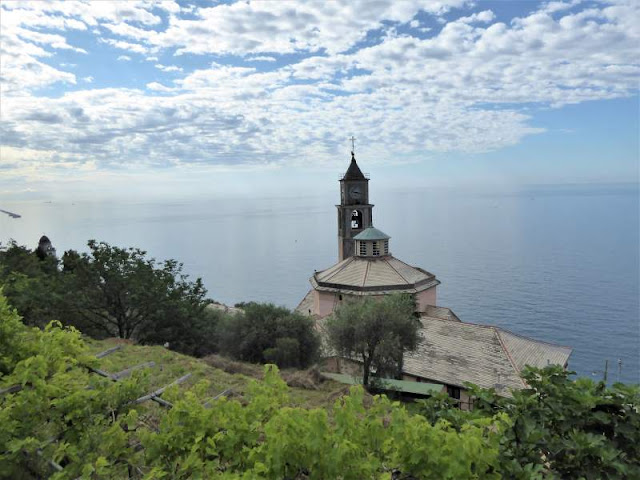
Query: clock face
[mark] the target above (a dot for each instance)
(355, 193)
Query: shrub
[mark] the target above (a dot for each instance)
(265, 333)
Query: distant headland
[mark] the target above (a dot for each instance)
(11, 214)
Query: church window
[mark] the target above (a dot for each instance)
(376, 249)
(363, 248)
(454, 392)
(356, 220)
(386, 247)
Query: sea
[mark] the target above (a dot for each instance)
(557, 263)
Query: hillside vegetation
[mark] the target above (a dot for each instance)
(121, 292)
(62, 419)
(222, 375)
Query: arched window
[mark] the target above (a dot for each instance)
(356, 220)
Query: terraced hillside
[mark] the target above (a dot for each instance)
(162, 366)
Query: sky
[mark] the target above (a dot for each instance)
(120, 99)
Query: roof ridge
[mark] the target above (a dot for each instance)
(342, 267)
(482, 325)
(471, 324)
(396, 270)
(533, 339)
(414, 267)
(366, 274)
(496, 331)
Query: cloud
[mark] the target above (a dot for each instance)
(168, 68)
(261, 58)
(244, 28)
(158, 87)
(132, 47)
(485, 16)
(466, 88)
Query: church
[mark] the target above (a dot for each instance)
(450, 352)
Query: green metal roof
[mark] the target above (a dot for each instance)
(405, 386)
(371, 233)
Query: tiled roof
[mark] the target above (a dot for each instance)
(525, 351)
(373, 275)
(454, 352)
(443, 313)
(306, 303)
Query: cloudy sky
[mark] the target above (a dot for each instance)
(113, 98)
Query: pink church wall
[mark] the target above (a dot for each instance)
(323, 303)
(426, 297)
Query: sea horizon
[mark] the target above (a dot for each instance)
(548, 262)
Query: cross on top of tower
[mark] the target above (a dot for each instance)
(353, 144)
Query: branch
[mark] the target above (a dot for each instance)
(108, 351)
(11, 389)
(126, 372)
(207, 404)
(160, 391)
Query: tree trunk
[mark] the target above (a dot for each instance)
(366, 365)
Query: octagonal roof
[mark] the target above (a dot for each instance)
(373, 276)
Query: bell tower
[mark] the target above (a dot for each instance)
(354, 211)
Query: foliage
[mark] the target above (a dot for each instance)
(111, 291)
(14, 338)
(559, 427)
(89, 426)
(265, 333)
(30, 283)
(376, 331)
(60, 413)
(123, 293)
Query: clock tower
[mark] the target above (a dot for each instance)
(354, 211)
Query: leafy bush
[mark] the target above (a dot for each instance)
(265, 333)
(559, 427)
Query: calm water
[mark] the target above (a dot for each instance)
(558, 264)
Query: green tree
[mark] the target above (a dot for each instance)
(265, 333)
(376, 332)
(121, 292)
(31, 284)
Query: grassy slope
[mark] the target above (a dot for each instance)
(170, 365)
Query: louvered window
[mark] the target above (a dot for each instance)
(386, 247)
(363, 248)
(376, 249)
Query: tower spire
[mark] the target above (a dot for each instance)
(353, 146)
